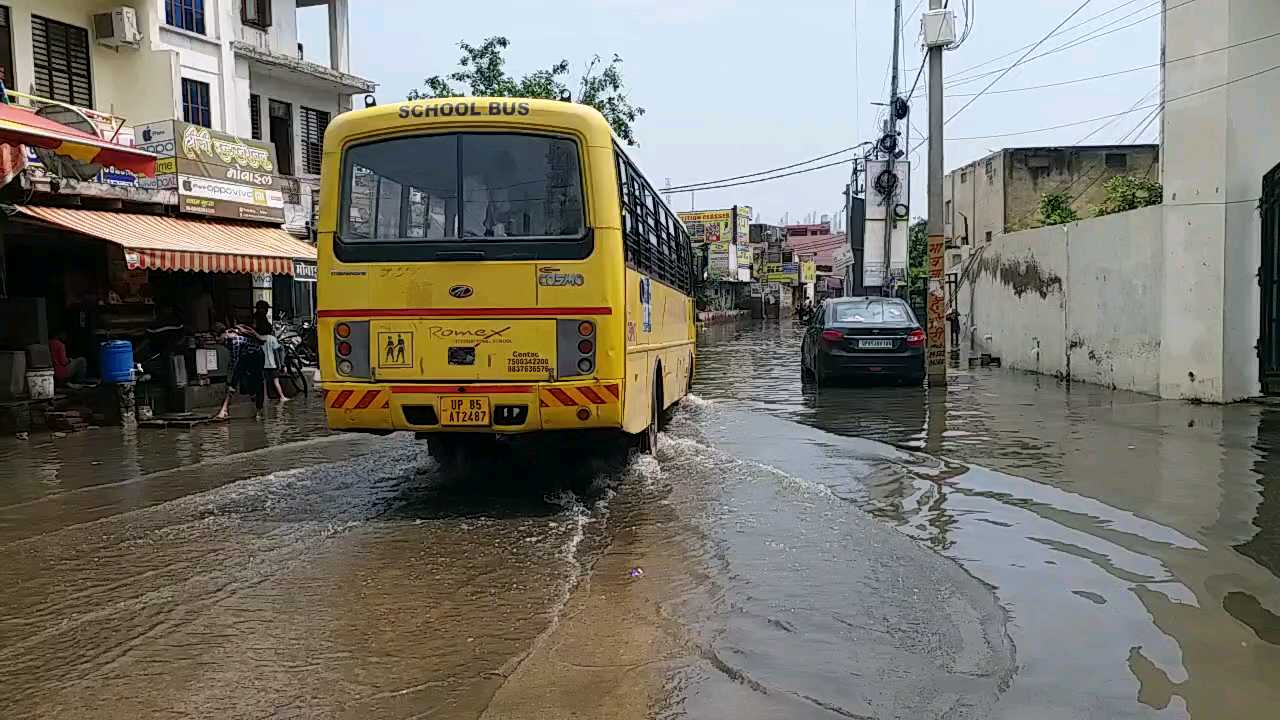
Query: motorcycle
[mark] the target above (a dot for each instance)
(296, 354)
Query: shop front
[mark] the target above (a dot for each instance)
(160, 283)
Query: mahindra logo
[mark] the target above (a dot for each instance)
(461, 292)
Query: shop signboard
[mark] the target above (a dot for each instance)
(785, 273)
(742, 224)
(708, 226)
(721, 265)
(808, 272)
(745, 263)
(304, 271)
(712, 226)
(215, 174)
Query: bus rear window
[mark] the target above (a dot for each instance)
(511, 187)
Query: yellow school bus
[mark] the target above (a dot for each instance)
(493, 266)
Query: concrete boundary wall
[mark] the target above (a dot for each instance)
(1081, 301)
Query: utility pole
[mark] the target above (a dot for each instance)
(891, 128)
(936, 317)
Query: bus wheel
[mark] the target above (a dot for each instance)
(649, 441)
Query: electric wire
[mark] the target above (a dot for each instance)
(1019, 62)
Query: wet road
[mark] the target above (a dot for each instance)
(1007, 548)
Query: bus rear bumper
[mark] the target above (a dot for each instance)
(511, 408)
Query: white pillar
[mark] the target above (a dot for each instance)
(339, 43)
(1218, 143)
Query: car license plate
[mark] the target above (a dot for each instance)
(464, 410)
(875, 344)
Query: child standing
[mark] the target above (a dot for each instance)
(270, 358)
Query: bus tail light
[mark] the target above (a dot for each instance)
(575, 348)
(351, 349)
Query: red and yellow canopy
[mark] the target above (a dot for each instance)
(19, 126)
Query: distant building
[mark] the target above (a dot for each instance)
(1001, 193)
(802, 230)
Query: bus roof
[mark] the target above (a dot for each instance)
(469, 112)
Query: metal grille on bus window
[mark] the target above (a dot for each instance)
(60, 54)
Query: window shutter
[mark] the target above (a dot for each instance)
(314, 123)
(60, 54)
(255, 117)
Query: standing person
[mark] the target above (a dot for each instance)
(245, 372)
(271, 358)
(261, 313)
(953, 320)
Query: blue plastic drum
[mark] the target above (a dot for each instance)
(115, 357)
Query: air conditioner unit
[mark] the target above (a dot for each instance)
(117, 28)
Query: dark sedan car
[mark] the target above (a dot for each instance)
(863, 338)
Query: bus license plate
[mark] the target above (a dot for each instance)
(465, 410)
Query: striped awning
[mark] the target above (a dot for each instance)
(158, 242)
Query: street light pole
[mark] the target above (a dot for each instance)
(937, 305)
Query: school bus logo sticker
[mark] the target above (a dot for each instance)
(395, 349)
(461, 292)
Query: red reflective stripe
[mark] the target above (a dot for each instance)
(367, 400)
(386, 404)
(562, 396)
(466, 312)
(453, 389)
(613, 390)
(591, 395)
(543, 403)
(340, 399)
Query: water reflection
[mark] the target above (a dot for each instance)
(1136, 542)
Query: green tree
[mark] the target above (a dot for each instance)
(1055, 209)
(1126, 192)
(482, 70)
(918, 262)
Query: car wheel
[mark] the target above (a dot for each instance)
(820, 376)
(806, 374)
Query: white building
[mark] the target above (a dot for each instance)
(1222, 97)
(1180, 300)
(231, 65)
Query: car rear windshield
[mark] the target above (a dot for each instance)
(510, 185)
(871, 312)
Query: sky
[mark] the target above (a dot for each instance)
(732, 87)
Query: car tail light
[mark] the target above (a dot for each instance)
(915, 338)
(833, 336)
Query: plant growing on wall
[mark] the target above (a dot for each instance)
(1055, 209)
(482, 70)
(1126, 192)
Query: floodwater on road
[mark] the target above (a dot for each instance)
(1135, 543)
(1005, 547)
